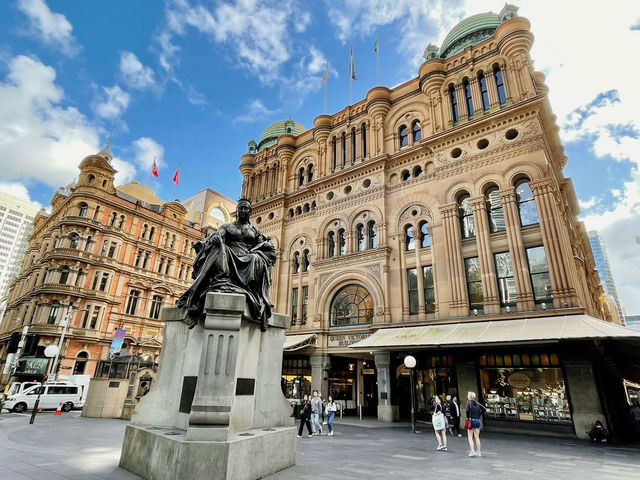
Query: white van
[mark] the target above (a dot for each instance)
(18, 387)
(53, 394)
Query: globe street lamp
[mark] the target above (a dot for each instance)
(51, 351)
(410, 363)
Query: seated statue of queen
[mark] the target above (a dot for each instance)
(234, 259)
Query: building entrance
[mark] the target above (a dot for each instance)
(352, 384)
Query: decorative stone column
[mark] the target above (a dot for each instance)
(463, 113)
(487, 265)
(458, 302)
(476, 96)
(524, 292)
(585, 402)
(320, 364)
(386, 411)
(492, 90)
(563, 289)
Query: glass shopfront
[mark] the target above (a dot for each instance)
(296, 377)
(342, 382)
(524, 387)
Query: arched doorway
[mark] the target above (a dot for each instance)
(81, 363)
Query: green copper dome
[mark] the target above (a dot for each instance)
(474, 29)
(272, 132)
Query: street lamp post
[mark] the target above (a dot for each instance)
(410, 363)
(50, 351)
(64, 324)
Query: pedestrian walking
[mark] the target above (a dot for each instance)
(305, 415)
(439, 422)
(447, 413)
(330, 410)
(474, 411)
(316, 411)
(455, 416)
(323, 408)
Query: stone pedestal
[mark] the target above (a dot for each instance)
(216, 409)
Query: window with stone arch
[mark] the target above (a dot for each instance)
(416, 131)
(360, 238)
(363, 137)
(526, 203)
(334, 153)
(145, 229)
(465, 212)
(343, 145)
(80, 363)
(497, 75)
(353, 145)
(121, 221)
(403, 135)
(372, 235)
(218, 214)
(351, 305)
(425, 238)
(468, 97)
(301, 176)
(84, 208)
(409, 240)
(305, 261)
(112, 219)
(342, 242)
(484, 91)
(296, 262)
(331, 244)
(74, 238)
(309, 172)
(454, 103)
(495, 214)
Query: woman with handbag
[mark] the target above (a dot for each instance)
(305, 416)
(475, 411)
(331, 410)
(439, 422)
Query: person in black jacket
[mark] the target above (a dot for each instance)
(305, 417)
(474, 412)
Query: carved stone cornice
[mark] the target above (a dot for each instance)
(449, 210)
(359, 258)
(508, 195)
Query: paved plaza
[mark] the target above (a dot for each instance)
(72, 447)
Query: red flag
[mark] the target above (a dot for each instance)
(154, 169)
(176, 175)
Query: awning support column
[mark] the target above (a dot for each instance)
(386, 411)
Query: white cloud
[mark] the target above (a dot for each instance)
(255, 111)
(588, 203)
(302, 22)
(318, 62)
(18, 190)
(50, 27)
(134, 73)
(42, 140)
(145, 151)
(111, 102)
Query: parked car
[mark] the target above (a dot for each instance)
(51, 396)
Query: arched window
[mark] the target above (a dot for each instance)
(372, 236)
(467, 96)
(526, 203)
(305, 261)
(79, 277)
(417, 171)
(300, 176)
(467, 227)
(306, 208)
(145, 229)
(404, 136)
(353, 145)
(484, 91)
(296, 262)
(87, 244)
(331, 244)
(291, 212)
(81, 363)
(352, 305)
(73, 240)
(497, 74)
(409, 241)
(151, 232)
(416, 131)
(342, 242)
(310, 173)
(166, 239)
(425, 239)
(53, 313)
(64, 275)
(343, 144)
(454, 103)
(334, 153)
(83, 210)
(112, 219)
(173, 241)
(363, 131)
(298, 210)
(360, 237)
(96, 213)
(494, 210)
(121, 222)
(156, 304)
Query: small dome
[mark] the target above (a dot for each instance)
(474, 29)
(272, 132)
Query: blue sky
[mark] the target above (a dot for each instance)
(190, 82)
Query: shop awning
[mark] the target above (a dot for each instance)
(296, 342)
(556, 328)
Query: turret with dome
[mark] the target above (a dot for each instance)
(270, 135)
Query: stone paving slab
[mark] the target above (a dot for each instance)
(72, 447)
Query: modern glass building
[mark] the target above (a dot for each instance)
(604, 270)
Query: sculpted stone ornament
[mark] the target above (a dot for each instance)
(234, 259)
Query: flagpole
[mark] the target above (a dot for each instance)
(350, 73)
(326, 86)
(173, 192)
(377, 62)
(151, 173)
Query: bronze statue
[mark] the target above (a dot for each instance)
(234, 259)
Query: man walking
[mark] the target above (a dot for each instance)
(316, 411)
(455, 415)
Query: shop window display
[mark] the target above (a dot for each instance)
(296, 376)
(434, 375)
(512, 391)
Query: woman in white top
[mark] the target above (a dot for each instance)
(330, 411)
(439, 423)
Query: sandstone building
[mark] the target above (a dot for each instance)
(116, 255)
(434, 219)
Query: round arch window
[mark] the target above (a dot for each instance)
(352, 305)
(218, 214)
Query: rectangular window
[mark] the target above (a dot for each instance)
(94, 317)
(168, 269)
(412, 286)
(474, 282)
(429, 290)
(132, 302)
(85, 316)
(53, 314)
(156, 304)
(105, 246)
(539, 272)
(112, 250)
(103, 282)
(94, 284)
(305, 298)
(138, 257)
(294, 306)
(506, 280)
(146, 259)
(160, 264)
